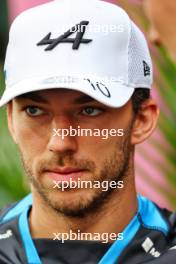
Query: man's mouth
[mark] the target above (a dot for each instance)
(65, 174)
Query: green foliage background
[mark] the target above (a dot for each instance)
(12, 185)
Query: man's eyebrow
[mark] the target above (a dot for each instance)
(34, 97)
(40, 99)
(83, 99)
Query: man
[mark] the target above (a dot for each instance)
(81, 66)
(162, 19)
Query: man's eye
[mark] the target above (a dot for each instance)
(91, 111)
(34, 111)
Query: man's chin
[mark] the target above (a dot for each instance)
(74, 203)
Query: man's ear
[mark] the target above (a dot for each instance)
(10, 120)
(145, 121)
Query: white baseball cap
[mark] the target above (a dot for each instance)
(89, 46)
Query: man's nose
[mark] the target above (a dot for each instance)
(60, 139)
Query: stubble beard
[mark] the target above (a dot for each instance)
(115, 168)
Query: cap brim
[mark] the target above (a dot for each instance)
(112, 94)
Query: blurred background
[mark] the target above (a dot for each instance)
(155, 159)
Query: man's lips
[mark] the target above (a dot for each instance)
(61, 174)
(65, 170)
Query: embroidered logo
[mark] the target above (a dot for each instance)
(79, 28)
(147, 70)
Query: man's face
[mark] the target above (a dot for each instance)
(45, 156)
(161, 14)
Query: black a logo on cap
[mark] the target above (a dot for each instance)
(147, 70)
(79, 28)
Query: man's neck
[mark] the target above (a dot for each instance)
(112, 217)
